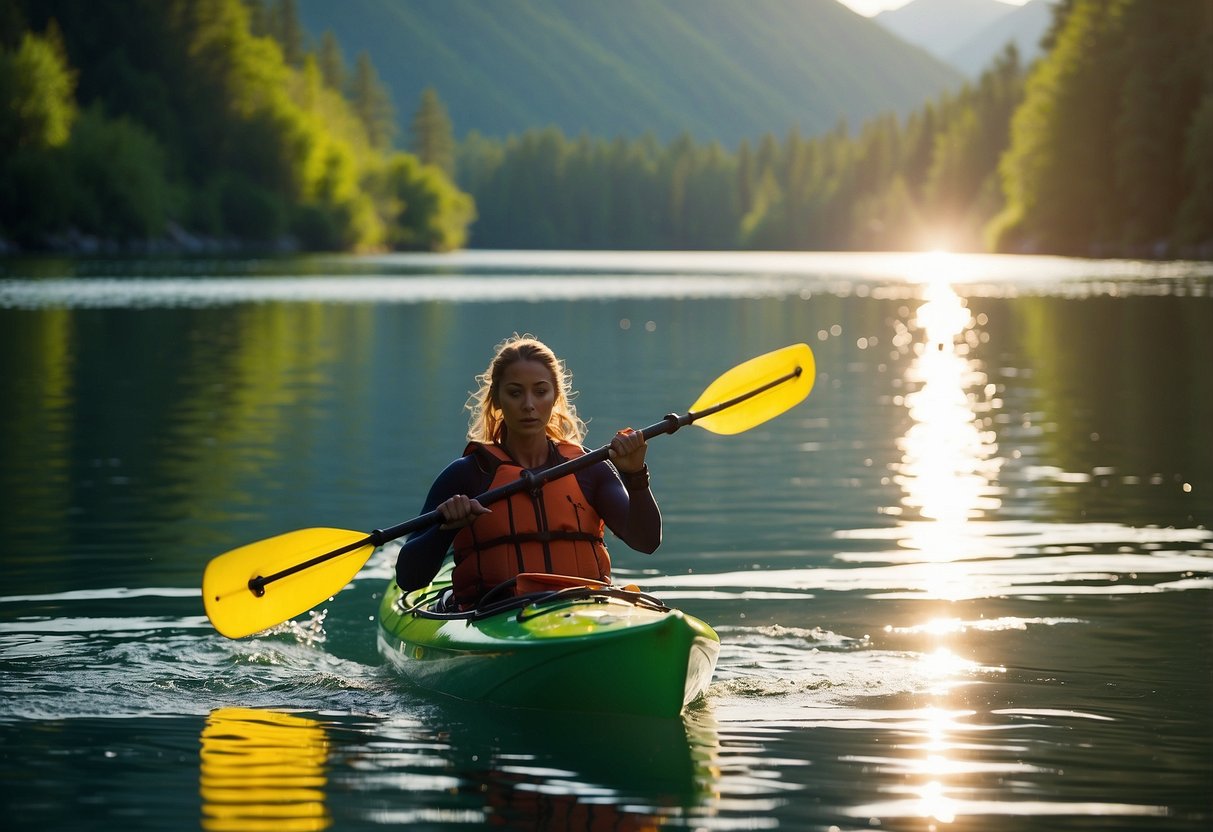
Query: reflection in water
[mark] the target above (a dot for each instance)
(947, 472)
(948, 461)
(567, 771)
(936, 766)
(149, 434)
(263, 770)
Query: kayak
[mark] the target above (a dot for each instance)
(593, 649)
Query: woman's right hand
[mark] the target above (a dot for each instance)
(460, 511)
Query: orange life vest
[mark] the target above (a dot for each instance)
(553, 530)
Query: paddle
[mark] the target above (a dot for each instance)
(265, 583)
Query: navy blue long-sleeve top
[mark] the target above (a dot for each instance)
(630, 513)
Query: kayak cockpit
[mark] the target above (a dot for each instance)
(437, 602)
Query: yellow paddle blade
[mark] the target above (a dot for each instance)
(236, 610)
(794, 364)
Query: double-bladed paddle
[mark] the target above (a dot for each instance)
(254, 587)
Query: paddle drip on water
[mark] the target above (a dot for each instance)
(308, 633)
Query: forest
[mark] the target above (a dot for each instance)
(1103, 147)
(193, 124)
(222, 119)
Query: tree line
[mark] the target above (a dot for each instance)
(220, 118)
(203, 119)
(1104, 146)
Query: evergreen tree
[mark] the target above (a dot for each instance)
(1194, 224)
(331, 61)
(245, 145)
(288, 31)
(431, 134)
(1160, 93)
(372, 103)
(1101, 160)
(747, 176)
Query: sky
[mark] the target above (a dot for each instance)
(867, 8)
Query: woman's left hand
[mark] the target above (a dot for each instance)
(627, 451)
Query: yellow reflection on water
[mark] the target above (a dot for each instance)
(263, 770)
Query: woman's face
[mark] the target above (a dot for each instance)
(526, 396)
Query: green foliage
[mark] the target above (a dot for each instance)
(928, 181)
(121, 119)
(37, 103)
(433, 139)
(1105, 146)
(120, 189)
(372, 103)
(1108, 150)
(194, 118)
(1194, 224)
(279, 20)
(107, 181)
(426, 211)
(246, 210)
(38, 193)
(332, 62)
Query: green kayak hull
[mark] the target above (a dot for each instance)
(610, 653)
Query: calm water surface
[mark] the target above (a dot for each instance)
(966, 585)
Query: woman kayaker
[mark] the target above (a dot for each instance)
(522, 420)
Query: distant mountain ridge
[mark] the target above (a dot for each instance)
(1024, 26)
(716, 69)
(968, 34)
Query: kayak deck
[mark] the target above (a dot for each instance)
(577, 649)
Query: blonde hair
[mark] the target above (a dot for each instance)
(486, 423)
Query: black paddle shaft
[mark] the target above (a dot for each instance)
(529, 481)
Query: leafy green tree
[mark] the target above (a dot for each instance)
(426, 211)
(37, 93)
(37, 111)
(38, 194)
(120, 186)
(193, 114)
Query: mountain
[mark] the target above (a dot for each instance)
(716, 69)
(1025, 26)
(942, 26)
(968, 34)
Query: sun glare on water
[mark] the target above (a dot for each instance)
(947, 474)
(949, 462)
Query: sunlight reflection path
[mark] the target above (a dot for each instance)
(949, 464)
(948, 474)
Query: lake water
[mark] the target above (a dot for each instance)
(966, 585)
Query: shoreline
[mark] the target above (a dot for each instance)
(178, 242)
